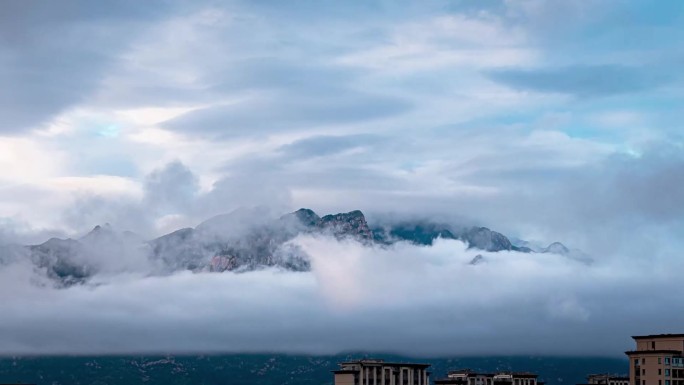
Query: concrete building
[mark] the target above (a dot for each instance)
(469, 377)
(379, 372)
(657, 360)
(606, 379)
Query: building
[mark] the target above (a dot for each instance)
(657, 360)
(469, 377)
(379, 372)
(606, 379)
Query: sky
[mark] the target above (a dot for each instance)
(546, 121)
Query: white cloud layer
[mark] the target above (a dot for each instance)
(406, 299)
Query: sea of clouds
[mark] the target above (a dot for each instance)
(408, 299)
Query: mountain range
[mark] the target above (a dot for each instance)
(244, 240)
(271, 369)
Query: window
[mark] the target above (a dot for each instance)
(667, 360)
(636, 362)
(667, 382)
(643, 371)
(667, 372)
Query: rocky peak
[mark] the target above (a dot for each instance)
(352, 223)
(98, 232)
(302, 220)
(307, 217)
(486, 239)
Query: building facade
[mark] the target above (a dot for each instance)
(657, 360)
(469, 377)
(606, 379)
(379, 372)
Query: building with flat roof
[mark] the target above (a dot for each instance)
(606, 379)
(657, 360)
(469, 377)
(379, 372)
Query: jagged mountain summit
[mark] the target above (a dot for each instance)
(243, 240)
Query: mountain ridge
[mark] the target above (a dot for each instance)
(246, 240)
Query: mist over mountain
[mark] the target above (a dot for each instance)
(241, 241)
(303, 283)
(488, 177)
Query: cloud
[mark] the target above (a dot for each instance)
(648, 186)
(50, 67)
(171, 189)
(265, 114)
(170, 197)
(404, 299)
(242, 189)
(89, 210)
(478, 40)
(326, 145)
(582, 81)
(167, 195)
(158, 116)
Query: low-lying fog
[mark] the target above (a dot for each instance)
(405, 299)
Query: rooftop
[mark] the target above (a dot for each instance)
(655, 336)
(374, 362)
(470, 372)
(608, 375)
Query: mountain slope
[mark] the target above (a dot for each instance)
(243, 240)
(271, 369)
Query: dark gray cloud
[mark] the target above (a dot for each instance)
(583, 81)
(54, 55)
